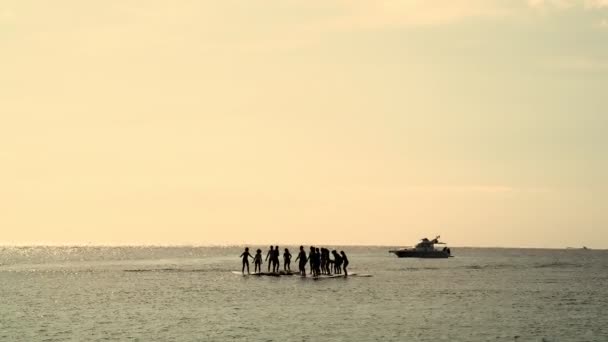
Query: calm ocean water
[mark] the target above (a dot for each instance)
(190, 294)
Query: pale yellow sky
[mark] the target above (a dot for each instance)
(337, 122)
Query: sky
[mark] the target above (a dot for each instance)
(300, 121)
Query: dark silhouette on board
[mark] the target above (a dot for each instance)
(325, 261)
(257, 262)
(246, 257)
(322, 261)
(302, 265)
(270, 254)
(287, 261)
(311, 260)
(337, 262)
(277, 264)
(317, 262)
(319, 259)
(345, 261)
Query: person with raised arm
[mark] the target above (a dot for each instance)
(246, 257)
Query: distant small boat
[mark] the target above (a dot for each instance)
(424, 249)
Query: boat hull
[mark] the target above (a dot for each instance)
(420, 254)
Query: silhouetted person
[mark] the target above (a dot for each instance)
(287, 260)
(277, 265)
(270, 255)
(323, 261)
(337, 262)
(246, 257)
(317, 261)
(257, 262)
(345, 261)
(311, 260)
(328, 261)
(302, 265)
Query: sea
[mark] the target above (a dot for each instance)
(191, 293)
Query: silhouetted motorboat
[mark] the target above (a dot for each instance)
(424, 249)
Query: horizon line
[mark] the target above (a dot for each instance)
(231, 245)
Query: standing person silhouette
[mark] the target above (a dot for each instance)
(277, 264)
(302, 265)
(311, 260)
(331, 264)
(257, 262)
(318, 261)
(287, 261)
(246, 257)
(270, 254)
(327, 261)
(345, 261)
(337, 262)
(323, 261)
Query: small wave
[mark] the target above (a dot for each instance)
(420, 268)
(166, 270)
(556, 264)
(488, 267)
(474, 267)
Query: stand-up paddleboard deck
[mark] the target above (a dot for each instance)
(335, 276)
(271, 274)
(268, 274)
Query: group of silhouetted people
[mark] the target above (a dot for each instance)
(319, 260)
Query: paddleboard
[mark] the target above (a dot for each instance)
(323, 276)
(262, 274)
(298, 275)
